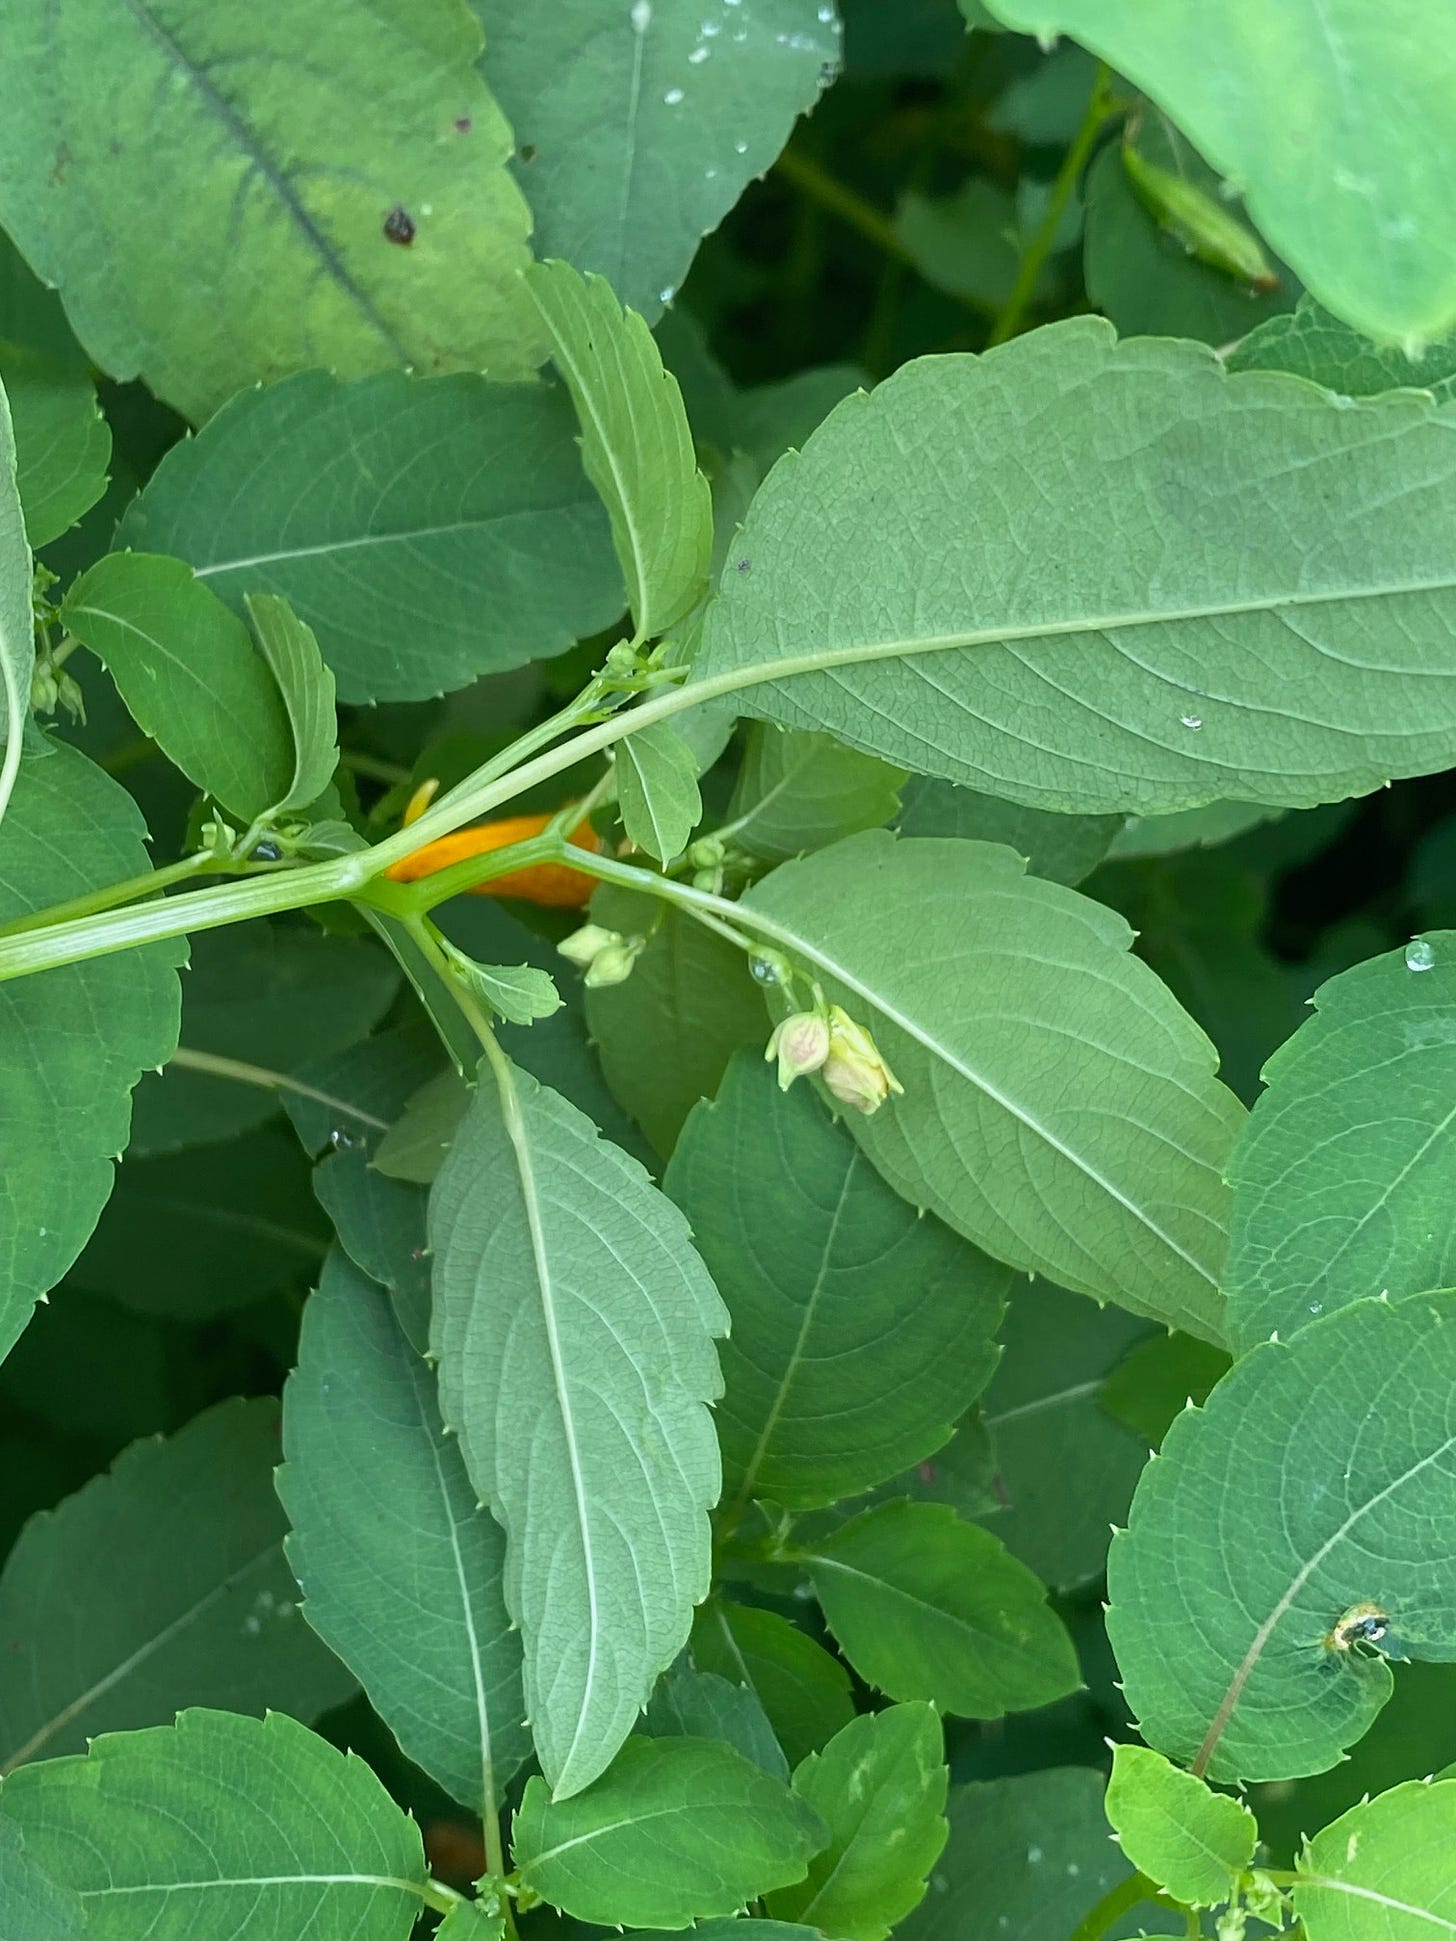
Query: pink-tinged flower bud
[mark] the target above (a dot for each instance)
(854, 1070)
(801, 1044)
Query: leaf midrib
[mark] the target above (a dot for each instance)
(197, 1609)
(820, 956)
(222, 111)
(1229, 1703)
(796, 1355)
(588, 403)
(516, 1132)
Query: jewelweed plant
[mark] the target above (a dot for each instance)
(656, 897)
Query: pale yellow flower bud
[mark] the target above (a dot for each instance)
(584, 946)
(854, 1071)
(801, 1044)
(613, 964)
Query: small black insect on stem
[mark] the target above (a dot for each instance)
(399, 226)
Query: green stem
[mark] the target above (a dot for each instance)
(1116, 1902)
(815, 182)
(434, 1893)
(131, 891)
(393, 774)
(1100, 106)
(75, 941)
(838, 199)
(267, 1080)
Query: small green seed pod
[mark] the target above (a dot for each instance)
(1199, 221)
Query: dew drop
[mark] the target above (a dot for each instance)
(641, 16)
(340, 1140)
(764, 970)
(1419, 955)
(667, 295)
(740, 148)
(710, 28)
(1033, 1856)
(1193, 721)
(251, 1626)
(698, 56)
(1316, 1307)
(826, 16)
(672, 97)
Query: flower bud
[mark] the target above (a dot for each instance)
(854, 1070)
(801, 1044)
(613, 963)
(584, 946)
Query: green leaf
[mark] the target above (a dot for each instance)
(35, 1905)
(1205, 828)
(65, 1082)
(307, 687)
(517, 993)
(1192, 1842)
(471, 1921)
(804, 1691)
(1311, 343)
(1059, 1108)
(17, 623)
(399, 1566)
(860, 1332)
(1142, 277)
(222, 1825)
(631, 1847)
(925, 1606)
(1063, 848)
(1385, 1866)
(798, 792)
(1224, 1619)
(968, 244)
(263, 999)
(690, 998)
(893, 583)
(657, 788)
(746, 1928)
(161, 1584)
(880, 1787)
(1163, 1374)
(693, 118)
(636, 446)
(690, 1704)
(1027, 1857)
(1349, 196)
(763, 421)
(415, 1146)
(211, 193)
(556, 1050)
(573, 1325)
(197, 1233)
(189, 676)
(1344, 1176)
(62, 442)
(1065, 1470)
(380, 1222)
(392, 512)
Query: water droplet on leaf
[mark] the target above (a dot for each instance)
(1419, 955)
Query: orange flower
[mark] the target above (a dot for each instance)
(548, 883)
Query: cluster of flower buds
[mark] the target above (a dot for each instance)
(606, 956)
(828, 1041)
